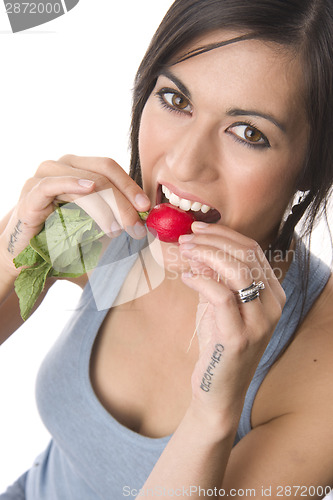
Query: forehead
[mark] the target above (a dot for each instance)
(261, 73)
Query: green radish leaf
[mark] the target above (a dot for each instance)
(67, 246)
(87, 261)
(39, 245)
(143, 215)
(28, 285)
(28, 257)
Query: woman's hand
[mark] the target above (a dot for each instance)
(98, 185)
(232, 336)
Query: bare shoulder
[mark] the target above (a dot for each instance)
(83, 279)
(302, 379)
(291, 441)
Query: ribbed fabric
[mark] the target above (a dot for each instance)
(91, 455)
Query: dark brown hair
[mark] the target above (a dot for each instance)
(305, 26)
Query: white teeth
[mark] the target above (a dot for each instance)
(205, 209)
(174, 200)
(196, 206)
(183, 203)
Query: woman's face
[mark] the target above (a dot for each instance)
(228, 129)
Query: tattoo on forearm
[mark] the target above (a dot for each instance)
(206, 381)
(14, 237)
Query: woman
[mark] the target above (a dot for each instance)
(232, 118)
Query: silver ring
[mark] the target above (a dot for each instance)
(250, 293)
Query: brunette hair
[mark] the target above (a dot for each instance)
(305, 26)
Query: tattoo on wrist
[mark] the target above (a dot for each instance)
(14, 237)
(206, 381)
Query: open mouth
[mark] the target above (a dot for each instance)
(200, 212)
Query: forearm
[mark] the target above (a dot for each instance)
(10, 319)
(196, 456)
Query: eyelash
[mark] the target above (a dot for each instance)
(249, 124)
(161, 93)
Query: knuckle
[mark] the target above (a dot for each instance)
(45, 167)
(42, 184)
(100, 180)
(29, 184)
(283, 298)
(266, 326)
(276, 312)
(68, 158)
(106, 164)
(254, 247)
(244, 273)
(227, 299)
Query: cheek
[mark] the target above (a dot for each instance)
(147, 149)
(149, 132)
(259, 193)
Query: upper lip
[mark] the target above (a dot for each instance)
(184, 194)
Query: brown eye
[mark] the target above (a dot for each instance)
(249, 135)
(252, 134)
(179, 102)
(175, 101)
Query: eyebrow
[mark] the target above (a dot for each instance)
(246, 112)
(166, 72)
(231, 112)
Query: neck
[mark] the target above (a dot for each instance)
(280, 261)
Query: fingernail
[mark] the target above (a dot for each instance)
(115, 227)
(85, 183)
(142, 201)
(199, 225)
(187, 246)
(139, 230)
(185, 238)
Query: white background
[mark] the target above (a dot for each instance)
(65, 88)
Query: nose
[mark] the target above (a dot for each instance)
(194, 154)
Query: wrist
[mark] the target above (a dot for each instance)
(8, 270)
(216, 426)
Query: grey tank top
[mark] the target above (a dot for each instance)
(91, 455)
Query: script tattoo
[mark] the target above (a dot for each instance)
(14, 237)
(206, 381)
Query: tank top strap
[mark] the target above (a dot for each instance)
(300, 296)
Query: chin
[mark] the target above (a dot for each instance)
(168, 256)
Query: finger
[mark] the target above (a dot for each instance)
(236, 275)
(221, 297)
(38, 203)
(110, 169)
(95, 206)
(245, 247)
(124, 212)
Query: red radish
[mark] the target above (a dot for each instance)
(168, 222)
